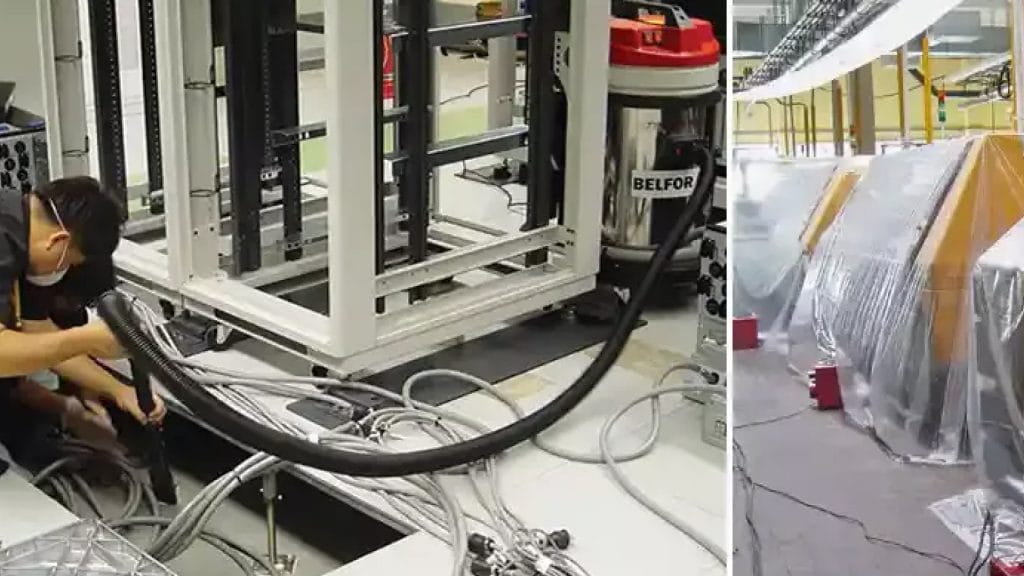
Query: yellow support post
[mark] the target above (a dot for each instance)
(901, 95)
(926, 69)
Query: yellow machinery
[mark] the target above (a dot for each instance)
(781, 211)
(986, 199)
(890, 290)
(828, 208)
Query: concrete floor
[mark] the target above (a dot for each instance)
(821, 460)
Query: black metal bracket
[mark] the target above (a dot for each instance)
(107, 96)
(245, 24)
(151, 103)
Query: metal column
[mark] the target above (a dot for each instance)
(64, 87)
(414, 90)
(814, 124)
(379, 186)
(200, 104)
(838, 133)
(862, 94)
(244, 32)
(282, 83)
(107, 96)
(542, 114)
(351, 70)
(926, 69)
(901, 87)
(501, 74)
(151, 103)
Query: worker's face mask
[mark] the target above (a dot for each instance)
(52, 278)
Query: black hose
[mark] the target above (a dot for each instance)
(114, 309)
(160, 476)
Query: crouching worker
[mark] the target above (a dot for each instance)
(65, 224)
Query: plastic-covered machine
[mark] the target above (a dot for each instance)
(782, 208)
(997, 362)
(889, 294)
(663, 90)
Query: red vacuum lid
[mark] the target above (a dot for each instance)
(654, 45)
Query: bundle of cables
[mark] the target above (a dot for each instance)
(68, 480)
(362, 452)
(498, 540)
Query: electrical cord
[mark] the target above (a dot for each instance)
(63, 476)
(473, 91)
(739, 465)
(620, 476)
(113, 307)
(979, 561)
(476, 176)
(759, 423)
(240, 555)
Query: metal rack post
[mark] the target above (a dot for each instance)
(151, 104)
(107, 95)
(244, 31)
(282, 82)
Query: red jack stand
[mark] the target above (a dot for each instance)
(825, 387)
(744, 333)
(1001, 568)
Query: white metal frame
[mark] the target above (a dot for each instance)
(63, 87)
(353, 336)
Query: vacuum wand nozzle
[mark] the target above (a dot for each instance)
(159, 471)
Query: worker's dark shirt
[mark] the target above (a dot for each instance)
(34, 300)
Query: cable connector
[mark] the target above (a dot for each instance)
(481, 568)
(482, 546)
(560, 539)
(542, 564)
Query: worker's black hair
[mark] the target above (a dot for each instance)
(91, 214)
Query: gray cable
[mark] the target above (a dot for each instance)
(423, 500)
(230, 548)
(575, 456)
(637, 494)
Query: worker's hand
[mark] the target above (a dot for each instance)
(88, 421)
(100, 342)
(126, 399)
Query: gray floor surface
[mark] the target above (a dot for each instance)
(820, 459)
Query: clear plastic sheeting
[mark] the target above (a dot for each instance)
(964, 515)
(997, 364)
(772, 208)
(889, 290)
(84, 549)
